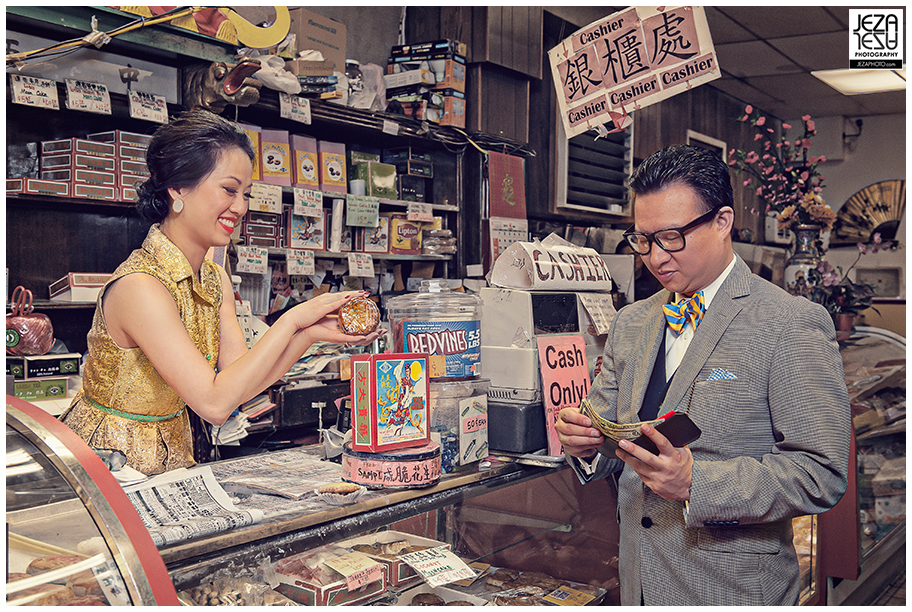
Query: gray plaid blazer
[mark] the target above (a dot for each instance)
(771, 400)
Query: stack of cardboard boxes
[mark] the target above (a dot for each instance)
(42, 377)
(428, 80)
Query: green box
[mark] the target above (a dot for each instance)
(415, 168)
(41, 388)
(379, 179)
(43, 366)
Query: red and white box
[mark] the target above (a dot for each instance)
(307, 233)
(64, 174)
(53, 188)
(398, 572)
(78, 287)
(262, 241)
(95, 192)
(306, 579)
(82, 176)
(56, 161)
(133, 139)
(133, 167)
(259, 229)
(92, 162)
(91, 147)
(131, 152)
(128, 194)
(15, 185)
(389, 401)
(56, 147)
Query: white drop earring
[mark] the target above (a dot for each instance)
(178, 205)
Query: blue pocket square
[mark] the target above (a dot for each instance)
(720, 374)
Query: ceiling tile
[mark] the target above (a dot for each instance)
(724, 30)
(744, 92)
(886, 103)
(754, 58)
(816, 51)
(790, 86)
(779, 21)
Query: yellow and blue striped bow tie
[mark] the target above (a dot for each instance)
(684, 310)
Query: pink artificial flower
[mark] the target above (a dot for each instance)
(806, 143)
(786, 126)
(812, 160)
(766, 156)
(758, 136)
(744, 118)
(761, 120)
(748, 109)
(805, 175)
(862, 248)
(747, 182)
(811, 126)
(752, 157)
(760, 192)
(822, 159)
(770, 130)
(877, 238)
(806, 118)
(785, 142)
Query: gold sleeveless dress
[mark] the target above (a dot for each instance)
(124, 403)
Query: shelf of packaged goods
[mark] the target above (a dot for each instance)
(281, 252)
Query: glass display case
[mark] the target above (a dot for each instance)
(875, 368)
(73, 536)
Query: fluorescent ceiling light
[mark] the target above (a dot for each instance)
(854, 82)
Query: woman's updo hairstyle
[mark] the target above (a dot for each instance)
(182, 153)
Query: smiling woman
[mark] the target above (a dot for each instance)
(163, 339)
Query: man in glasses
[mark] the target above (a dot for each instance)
(756, 369)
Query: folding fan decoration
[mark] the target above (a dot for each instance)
(877, 208)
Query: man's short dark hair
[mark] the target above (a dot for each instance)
(700, 169)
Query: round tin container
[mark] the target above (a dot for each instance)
(403, 468)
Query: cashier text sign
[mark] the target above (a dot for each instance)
(629, 60)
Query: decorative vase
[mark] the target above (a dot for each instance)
(798, 280)
(843, 322)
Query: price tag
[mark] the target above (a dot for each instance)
(266, 198)
(438, 566)
(148, 107)
(308, 202)
(88, 97)
(358, 569)
(300, 262)
(420, 211)
(32, 91)
(252, 260)
(362, 211)
(479, 567)
(390, 127)
(360, 264)
(566, 596)
(295, 108)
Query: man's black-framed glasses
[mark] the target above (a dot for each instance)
(670, 240)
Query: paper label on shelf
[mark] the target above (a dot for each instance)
(390, 127)
(300, 262)
(358, 569)
(362, 211)
(88, 97)
(480, 569)
(438, 566)
(32, 91)
(149, 107)
(360, 264)
(295, 108)
(420, 211)
(308, 202)
(266, 198)
(252, 260)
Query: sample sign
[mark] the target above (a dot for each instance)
(358, 569)
(295, 108)
(308, 202)
(551, 264)
(565, 379)
(252, 260)
(148, 106)
(362, 211)
(629, 60)
(32, 91)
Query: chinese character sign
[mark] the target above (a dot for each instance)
(629, 60)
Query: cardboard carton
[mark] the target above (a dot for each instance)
(319, 33)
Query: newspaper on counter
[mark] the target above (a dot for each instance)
(290, 475)
(184, 504)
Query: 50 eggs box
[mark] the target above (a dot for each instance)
(389, 401)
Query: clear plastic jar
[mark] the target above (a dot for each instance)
(438, 321)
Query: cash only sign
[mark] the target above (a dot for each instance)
(629, 60)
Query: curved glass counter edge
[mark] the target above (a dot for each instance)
(144, 575)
